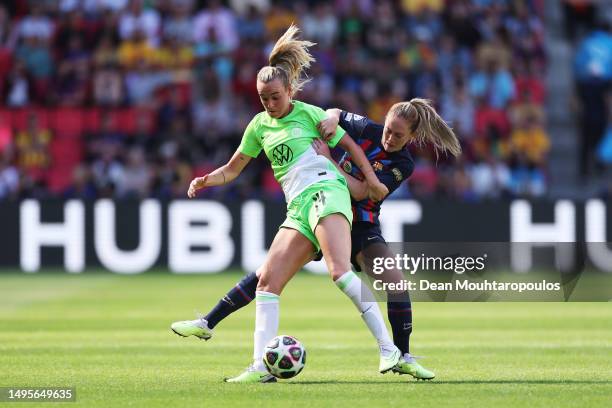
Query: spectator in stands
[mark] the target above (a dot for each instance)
(142, 83)
(107, 26)
(175, 55)
(108, 88)
(72, 81)
(529, 82)
(494, 83)
(320, 25)
(82, 185)
(135, 51)
(529, 139)
(179, 25)
(579, 16)
(277, 19)
(5, 26)
(32, 149)
(526, 179)
(460, 22)
(136, 177)
(136, 19)
(458, 109)
(212, 116)
(250, 25)
(34, 25)
(219, 21)
(107, 169)
(74, 25)
(36, 56)
(489, 177)
(593, 73)
(18, 86)
(9, 177)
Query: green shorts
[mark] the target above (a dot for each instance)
(315, 202)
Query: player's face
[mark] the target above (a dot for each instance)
(275, 98)
(395, 134)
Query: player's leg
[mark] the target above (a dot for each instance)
(239, 296)
(290, 250)
(333, 234)
(399, 307)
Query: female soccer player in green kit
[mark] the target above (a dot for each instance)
(319, 212)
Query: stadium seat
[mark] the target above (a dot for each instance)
(6, 117)
(68, 123)
(128, 118)
(20, 117)
(60, 178)
(92, 119)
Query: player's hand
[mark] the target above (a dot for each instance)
(327, 128)
(321, 148)
(196, 184)
(377, 191)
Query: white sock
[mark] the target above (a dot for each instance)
(266, 325)
(352, 286)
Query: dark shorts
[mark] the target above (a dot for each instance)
(363, 235)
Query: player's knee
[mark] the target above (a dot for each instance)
(337, 269)
(266, 284)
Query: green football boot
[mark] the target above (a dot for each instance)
(252, 376)
(389, 359)
(198, 328)
(408, 365)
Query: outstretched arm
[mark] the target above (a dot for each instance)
(220, 176)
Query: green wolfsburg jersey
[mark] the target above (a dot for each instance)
(287, 143)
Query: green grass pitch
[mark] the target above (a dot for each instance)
(108, 336)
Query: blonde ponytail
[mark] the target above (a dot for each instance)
(427, 125)
(288, 59)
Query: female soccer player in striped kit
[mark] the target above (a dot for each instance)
(319, 212)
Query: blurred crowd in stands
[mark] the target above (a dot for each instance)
(132, 98)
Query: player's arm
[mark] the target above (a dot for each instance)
(357, 188)
(327, 127)
(220, 176)
(353, 124)
(377, 191)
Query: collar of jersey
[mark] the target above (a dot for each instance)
(274, 120)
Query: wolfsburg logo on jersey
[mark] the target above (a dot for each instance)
(282, 154)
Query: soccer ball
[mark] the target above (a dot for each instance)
(284, 356)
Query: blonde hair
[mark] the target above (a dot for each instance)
(427, 125)
(288, 59)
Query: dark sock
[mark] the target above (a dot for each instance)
(241, 295)
(399, 312)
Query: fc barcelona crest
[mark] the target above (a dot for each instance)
(377, 166)
(347, 166)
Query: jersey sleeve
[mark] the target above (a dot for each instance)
(318, 115)
(393, 176)
(251, 141)
(354, 124)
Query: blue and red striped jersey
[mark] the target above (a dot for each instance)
(390, 168)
